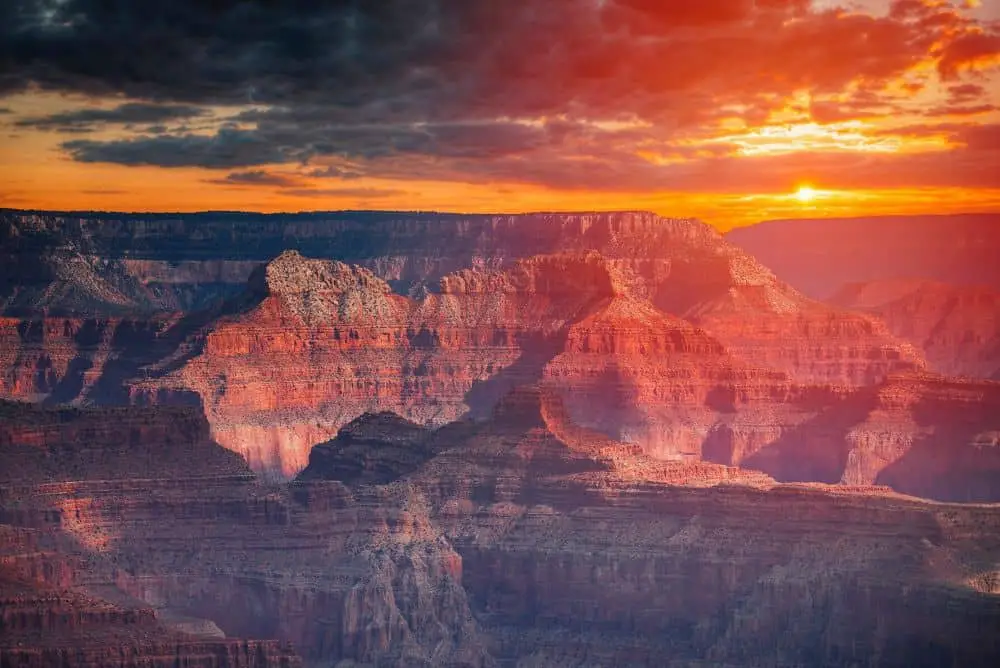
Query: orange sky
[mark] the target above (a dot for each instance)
(912, 125)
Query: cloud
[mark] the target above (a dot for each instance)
(257, 177)
(961, 110)
(227, 148)
(611, 94)
(968, 52)
(129, 113)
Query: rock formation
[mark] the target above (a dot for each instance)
(323, 342)
(524, 539)
(554, 439)
(957, 328)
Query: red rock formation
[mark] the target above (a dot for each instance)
(527, 538)
(956, 327)
(60, 360)
(920, 434)
(326, 342)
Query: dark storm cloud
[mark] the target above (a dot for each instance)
(130, 113)
(284, 138)
(449, 60)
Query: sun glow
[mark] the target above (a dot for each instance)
(806, 194)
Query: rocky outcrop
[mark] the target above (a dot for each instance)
(524, 539)
(818, 257)
(956, 327)
(325, 341)
(919, 434)
(373, 449)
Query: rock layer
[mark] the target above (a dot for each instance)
(524, 539)
(956, 327)
(327, 341)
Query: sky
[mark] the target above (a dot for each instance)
(733, 111)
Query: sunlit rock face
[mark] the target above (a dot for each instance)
(523, 538)
(655, 330)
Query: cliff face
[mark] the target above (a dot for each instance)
(59, 594)
(920, 434)
(682, 266)
(63, 359)
(151, 550)
(606, 311)
(523, 538)
(327, 341)
(956, 327)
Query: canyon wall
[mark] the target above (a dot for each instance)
(522, 539)
(957, 328)
(321, 342)
(655, 331)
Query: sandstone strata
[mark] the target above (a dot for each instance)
(524, 539)
(957, 328)
(326, 341)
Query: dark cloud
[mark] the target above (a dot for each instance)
(6, 110)
(229, 147)
(285, 136)
(258, 177)
(130, 113)
(441, 88)
(449, 60)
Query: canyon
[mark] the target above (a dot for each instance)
(436, 317)
(521, 539)
(957, 328)
(378, 438)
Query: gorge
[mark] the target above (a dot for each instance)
(376, 438)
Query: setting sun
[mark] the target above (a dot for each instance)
(806, 194)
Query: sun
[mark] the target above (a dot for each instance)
(806, 194)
